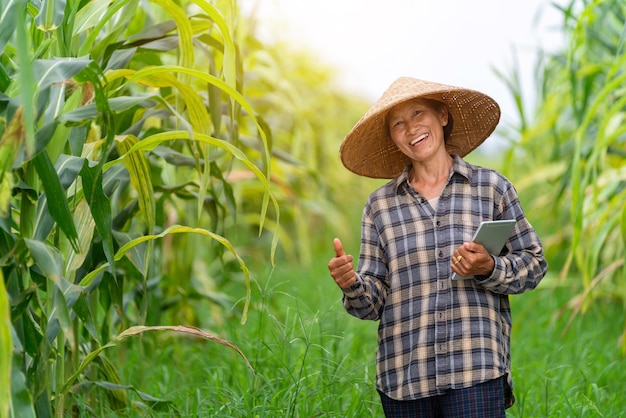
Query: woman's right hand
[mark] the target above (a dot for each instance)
(341, 266)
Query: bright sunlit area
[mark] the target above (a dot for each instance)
(455, 42)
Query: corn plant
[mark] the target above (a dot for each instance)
(119, 123)
(576, 141)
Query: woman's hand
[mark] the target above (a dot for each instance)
(341, 267)
(472, 259)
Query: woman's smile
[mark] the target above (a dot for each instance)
(418, 139)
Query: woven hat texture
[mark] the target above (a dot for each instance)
(368, 150)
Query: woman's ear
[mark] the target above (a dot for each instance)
(443, 115)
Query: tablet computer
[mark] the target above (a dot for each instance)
(492, 235)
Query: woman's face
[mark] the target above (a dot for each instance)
(416, 127)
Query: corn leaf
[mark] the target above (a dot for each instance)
(6, 349)
(21, 398)
(139, 169)
(185, 33)
(157, 404)
(243, 102)
(50, 15)
(140, 329)
(9, 9)
(57, 202)
(100, 207)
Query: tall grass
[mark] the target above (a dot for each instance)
(312, 359)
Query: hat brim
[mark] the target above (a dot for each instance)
(368, 150)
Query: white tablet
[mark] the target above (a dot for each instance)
(492, 235)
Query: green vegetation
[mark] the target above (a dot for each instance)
(169, 190)
(312, 359)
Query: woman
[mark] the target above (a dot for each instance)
(443, 344)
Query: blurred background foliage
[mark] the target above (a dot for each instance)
(567, 157)
(157, 158)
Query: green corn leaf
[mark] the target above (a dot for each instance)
(57, 202)
(244, 103)
(156, 139)
(9, 146)
(146, 73)
(49, 261)
(185, 33)
(55, 71)
(100, 207)
(89, 15)
(177, 229)
(25, 76)
(65, 294)
(116, 104)
(93, 74)
(6, 351)
(140, 176)
(50, 15)
(21, 398)
(137, 255)
(157, 404)
(623, 225)
(102, 20)
(120, 398)
(86, 225)
(230, 51)
(9, 15)
(81, 308)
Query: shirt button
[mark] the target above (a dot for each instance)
(441, 315)
(440, 254)
(438, 223)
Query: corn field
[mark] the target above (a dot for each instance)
(575, 144)
(151, 151)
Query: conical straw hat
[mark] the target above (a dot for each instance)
(368, 150)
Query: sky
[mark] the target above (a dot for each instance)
(455, 42)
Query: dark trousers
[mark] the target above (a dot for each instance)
(481, 401)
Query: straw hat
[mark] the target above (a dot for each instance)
(368, 150)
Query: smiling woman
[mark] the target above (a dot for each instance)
(475, 113)
(413, 233)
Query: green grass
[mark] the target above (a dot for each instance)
(574, 371)
(313, 359)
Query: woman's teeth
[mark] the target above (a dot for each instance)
(418, 139)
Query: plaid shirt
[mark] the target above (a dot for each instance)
(434, 333)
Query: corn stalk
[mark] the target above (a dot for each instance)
(116, 140)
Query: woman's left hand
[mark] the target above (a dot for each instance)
(472, 259)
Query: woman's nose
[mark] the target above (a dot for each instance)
(412, 125)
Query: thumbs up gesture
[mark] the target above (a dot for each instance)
(341, 267)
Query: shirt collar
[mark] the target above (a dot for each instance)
(459, 166)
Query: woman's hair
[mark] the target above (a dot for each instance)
(437, 106)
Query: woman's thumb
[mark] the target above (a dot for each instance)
(338, 247)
